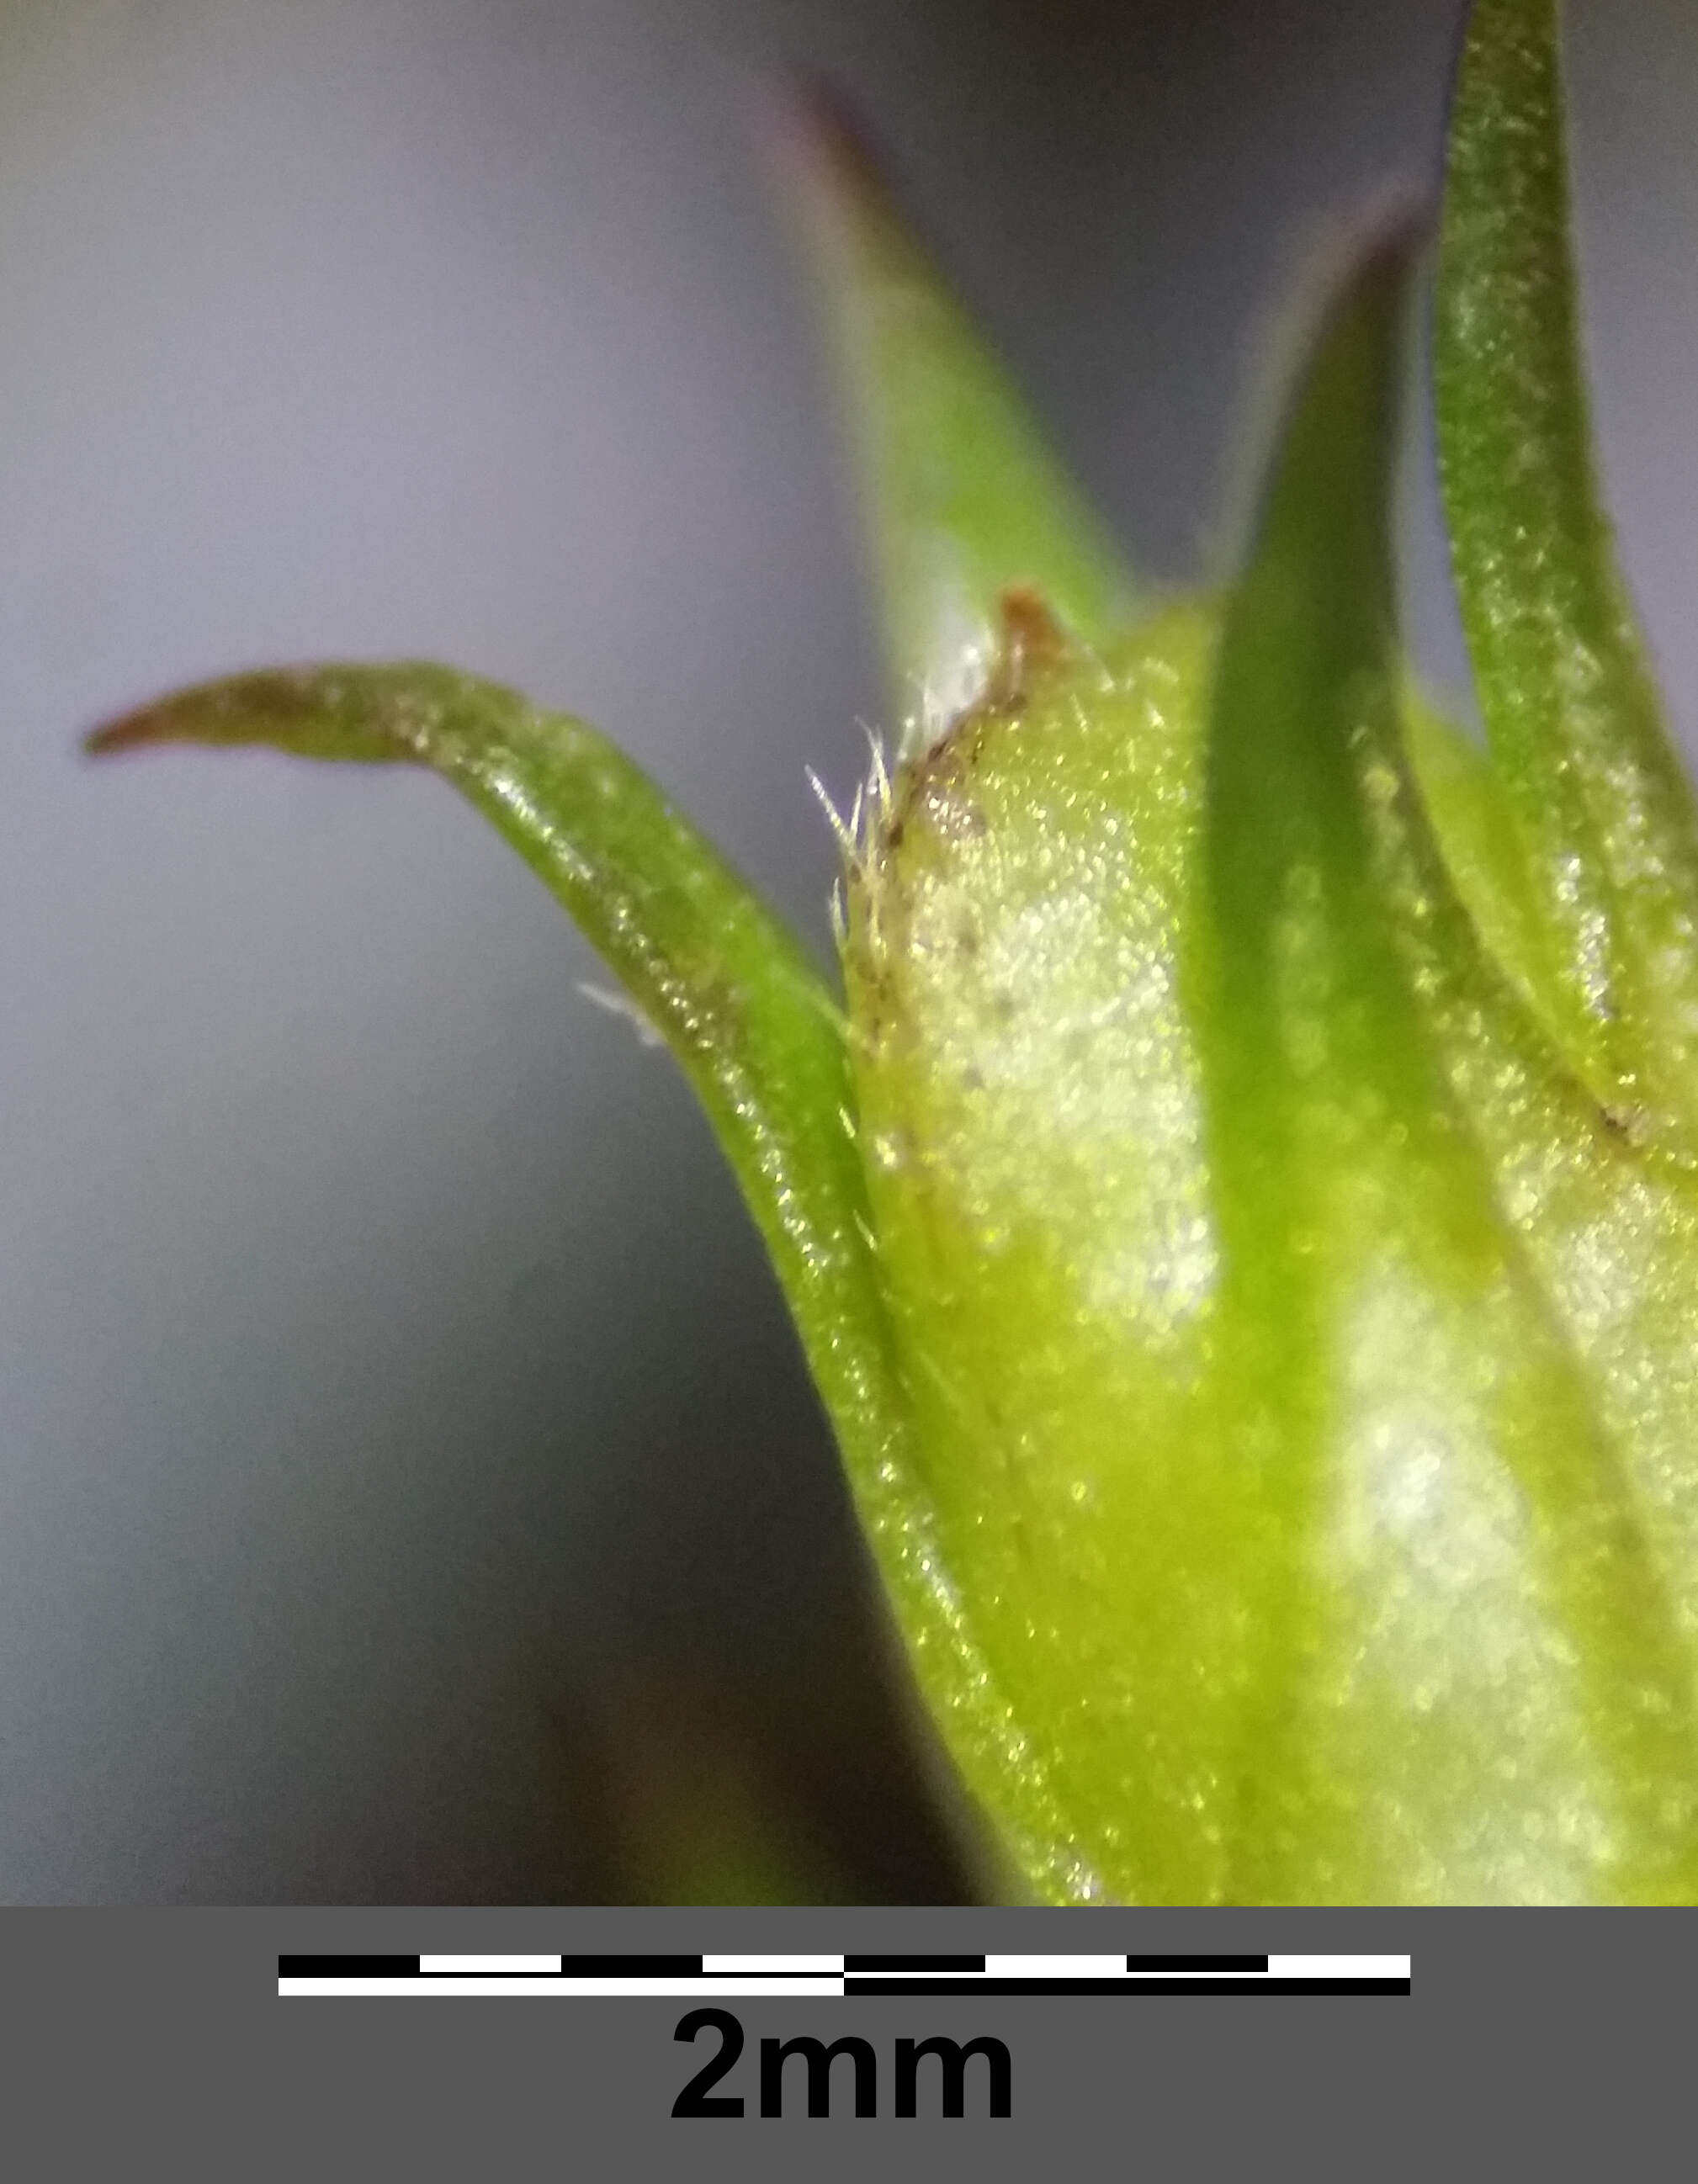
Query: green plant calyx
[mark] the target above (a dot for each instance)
(1243, 1217)
(1377, 1439)
(1496, 1704)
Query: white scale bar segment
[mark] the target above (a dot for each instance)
(516, 1966)
(1338, 1967)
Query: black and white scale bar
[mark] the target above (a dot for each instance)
(833, 1977)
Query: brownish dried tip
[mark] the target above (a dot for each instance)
(291, 708)
(1031, 643)
(147, 725)
(831, 163)
(823, 130)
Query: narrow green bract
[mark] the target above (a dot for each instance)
(1244, 1217)
(1599, 801)
(964, 496)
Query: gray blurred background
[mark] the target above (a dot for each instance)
(393, 1404)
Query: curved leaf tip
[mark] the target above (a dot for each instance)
(411, 712)
(730, 991)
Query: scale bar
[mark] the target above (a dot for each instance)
(836, 1977)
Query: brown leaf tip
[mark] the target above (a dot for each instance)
(1031, 644)
(147, 726)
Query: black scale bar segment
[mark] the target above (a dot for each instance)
(913, 1964)
(1196, 1964)
(348, 1968)
(1129, 1988)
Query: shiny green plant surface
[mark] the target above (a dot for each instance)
(1241, 1211)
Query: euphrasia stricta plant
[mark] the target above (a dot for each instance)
(1242, 1211)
